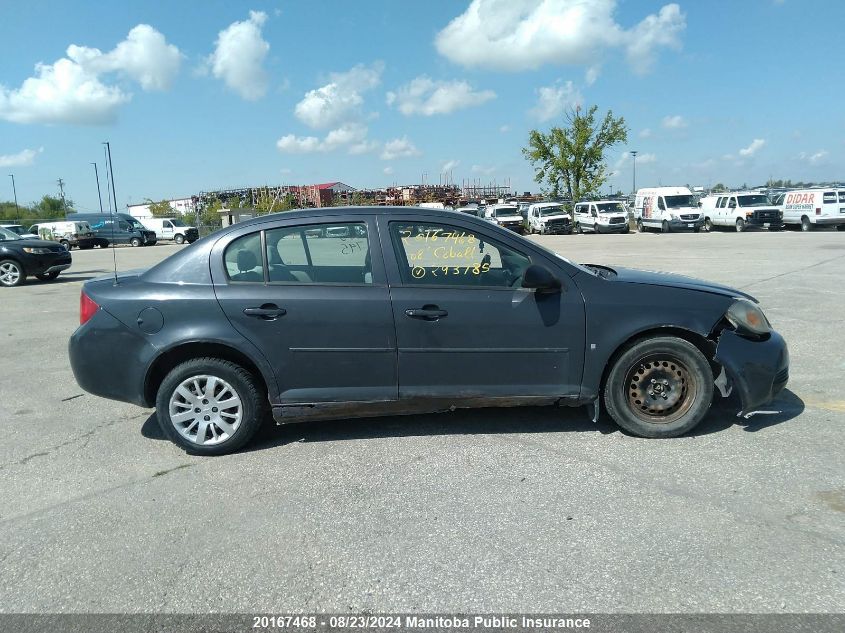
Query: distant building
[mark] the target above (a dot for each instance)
(180, 206)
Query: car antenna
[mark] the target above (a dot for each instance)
(110, 178)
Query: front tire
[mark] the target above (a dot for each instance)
(209, 406)
(135, 241)
(11, 273)
(708, 224)
(740, 225)
(665, 227)
(179, 239)
(659, 387)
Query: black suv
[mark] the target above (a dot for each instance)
(117, 228)
(20, 257)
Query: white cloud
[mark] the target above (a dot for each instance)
(427, 97)
(676, 122)
(592, 75)
(815, 158)
(516, 36)
(482, 169)
(239, 55)
(388, 170)
(340, 100)
(399, 148)
(350, 136)
(752, 149)
(645, 133)
(71, 89)
(646, 159)
(505, 129)
(642, 159)
(449, 165)
(24, 158)
(553, 100)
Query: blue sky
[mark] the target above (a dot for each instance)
(204, 95)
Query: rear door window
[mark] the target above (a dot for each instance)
(243, 260)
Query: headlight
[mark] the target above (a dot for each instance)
(674, 216)
(36, 250)
(748, 318)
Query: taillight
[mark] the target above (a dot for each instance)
(87, 307)
(818, 211)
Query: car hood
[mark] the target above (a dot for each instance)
(652, 278)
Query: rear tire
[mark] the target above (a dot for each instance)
(66, 244)
(659, 387)
(11, 273)
(201, 427)
(640, 227)
(840, 227)
(578, 228)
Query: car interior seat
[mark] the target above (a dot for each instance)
(247, 263)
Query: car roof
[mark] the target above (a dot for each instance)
(328, 212)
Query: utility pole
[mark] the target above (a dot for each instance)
(15, 193)
(634, 154)
(99, 195)
(62, 193)
(111, 171)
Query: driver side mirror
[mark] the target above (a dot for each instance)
(540, 279)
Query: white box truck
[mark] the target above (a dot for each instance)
(667, 209)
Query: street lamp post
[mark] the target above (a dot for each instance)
(15, 194)
(634, 154)
(99, 195)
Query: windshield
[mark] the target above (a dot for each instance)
(551, 211)
(177, 223)
(676, 202)
(505, 211)
(135, 224)
(610, 207)
(753, 201)
(6, 235)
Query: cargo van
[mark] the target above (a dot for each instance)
(507, 216)
(67, 233)
(809, 208)
(601, 216)
(172, 229)
(117, 228)
(667, 209)
(741, 210)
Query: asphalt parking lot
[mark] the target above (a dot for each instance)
(492, 510)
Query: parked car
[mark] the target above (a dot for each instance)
(549, 217)
(117, 228)
(68, 233)
(19, 230)
(21, 257)
(667, 209)
(172, 229)
(432, 311)
(507, 216)
(741, 210)
(809, 208)
(601, 216)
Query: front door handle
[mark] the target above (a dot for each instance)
(267, 311)
(427, 313)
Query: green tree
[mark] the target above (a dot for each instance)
(270, 204)
(52, 207)
(570, 159)
(161, 209)
(209, 215)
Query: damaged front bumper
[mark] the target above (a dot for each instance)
(757, 369)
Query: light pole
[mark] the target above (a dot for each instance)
(634, 154)
(15, 194)
(99, 195)
(111, 171)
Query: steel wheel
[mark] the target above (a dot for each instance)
(11, 273)
(205, 410)
(660, 389)
(135, 242)
(740, 225)
(708, 224)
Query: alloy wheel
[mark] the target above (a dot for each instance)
(10, 273)
(205, 410)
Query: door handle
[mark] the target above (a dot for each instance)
(427, 313)
(267, 311)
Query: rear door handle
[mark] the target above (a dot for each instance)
(427, 313)
(267, 311)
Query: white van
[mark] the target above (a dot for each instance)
(548, 217)
(172, 229)
(815, 207)
(601, 216)
(740, 210)
(667, 209)
(68, 234)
